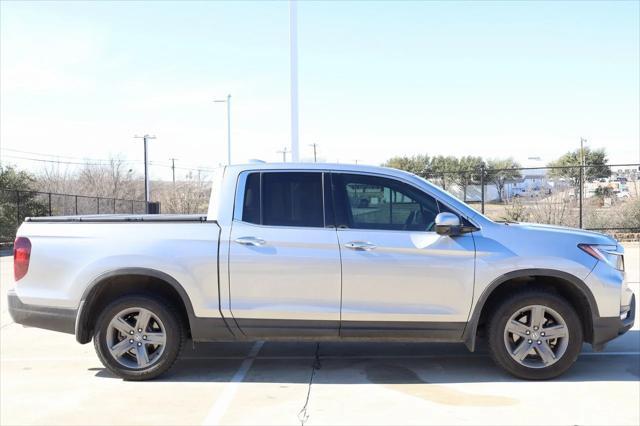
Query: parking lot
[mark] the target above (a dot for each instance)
(47, 378)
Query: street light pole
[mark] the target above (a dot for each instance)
(147, 187)
(228, 102)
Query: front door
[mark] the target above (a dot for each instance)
(399, 278)
(284, 262)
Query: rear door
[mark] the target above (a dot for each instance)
(399, 278)
(284, 260)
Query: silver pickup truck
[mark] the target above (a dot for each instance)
(320, 252)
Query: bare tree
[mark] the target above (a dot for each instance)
(54, 178)
(188, 196)
(114, 179)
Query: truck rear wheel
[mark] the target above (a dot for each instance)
(535, 335)
(138, 337)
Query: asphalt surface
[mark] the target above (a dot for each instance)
(47, 378)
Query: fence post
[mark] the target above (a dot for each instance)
(482, 188)
(49, 204)
(580, 188)
(131, 206)
(98, 205)
(76, 205)
(114, 206)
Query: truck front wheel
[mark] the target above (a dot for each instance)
(535, 335)
(138, 337)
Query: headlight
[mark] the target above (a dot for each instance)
(605, 253)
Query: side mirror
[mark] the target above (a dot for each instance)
(447, 224)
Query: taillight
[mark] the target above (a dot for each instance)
(21, 255)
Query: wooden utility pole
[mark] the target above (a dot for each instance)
(315, 158)
(284, 154)
(173, 170)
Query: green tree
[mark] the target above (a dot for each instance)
(416, 164)
(603, 192)
(12, 183)
(496, 173)
(445, 168)
(468, 172)
(595, 160)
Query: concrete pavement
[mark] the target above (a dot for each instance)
(47, 378)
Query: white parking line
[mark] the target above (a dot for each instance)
(219, 408)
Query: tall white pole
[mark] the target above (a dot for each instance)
(293, 44)
(229, 130)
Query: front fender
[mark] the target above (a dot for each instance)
(470, 332)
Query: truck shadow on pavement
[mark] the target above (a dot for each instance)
(387, 364)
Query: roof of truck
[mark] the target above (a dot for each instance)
(315, 166)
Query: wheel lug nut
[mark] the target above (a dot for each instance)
(542, 334)
(529, 341)
(139, 330)
(130, 340)
(139, 344)
(539, 342)
(131, 332)
(528, 332)
(144, 337)
(535, 328)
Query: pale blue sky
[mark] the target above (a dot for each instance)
(377, 79)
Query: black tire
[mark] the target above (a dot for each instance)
(497, 338)
(173, 330)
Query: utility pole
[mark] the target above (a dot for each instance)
(173, 170)
(293, 52)
(147, 189)
(284, 154)
(315, 158)
(228, 102)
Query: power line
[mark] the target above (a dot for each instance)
(54, 161)
(40, 154)
(94, 164)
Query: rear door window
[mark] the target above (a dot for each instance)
(284, 199)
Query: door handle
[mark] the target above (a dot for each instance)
(360, 245)
(250, 241)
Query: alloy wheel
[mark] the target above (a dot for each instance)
(536, 336)
(136, 338)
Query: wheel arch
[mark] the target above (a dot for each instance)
(92, 295)
(567, 285)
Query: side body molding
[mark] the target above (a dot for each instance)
(202, 329)
(470, 331)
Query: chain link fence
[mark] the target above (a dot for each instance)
(595, 197)
(15, 205)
